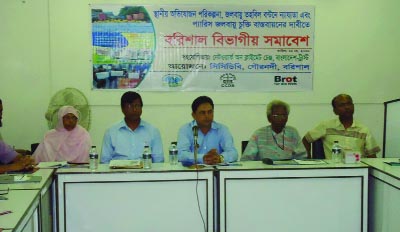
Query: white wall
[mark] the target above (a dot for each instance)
(46, 46)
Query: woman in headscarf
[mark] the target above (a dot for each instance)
(67, 142)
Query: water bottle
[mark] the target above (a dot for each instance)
(336, 152)
(173, 154)
(93, 159)
(146, 156)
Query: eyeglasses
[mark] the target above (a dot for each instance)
(134, 106)
(68, 117)
(279, 116)
(202, 113)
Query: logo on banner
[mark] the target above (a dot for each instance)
(227, 80)
(172, 80)
(290, 80)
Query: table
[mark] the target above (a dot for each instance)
(165, 198)
(259, 197)
(384, 198)
(46, 191)
(24, 205)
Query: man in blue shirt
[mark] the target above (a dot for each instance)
(214, 139)
(127, 138)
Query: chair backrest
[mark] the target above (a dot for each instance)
(33, 147)
(317, 149)
(244, 144)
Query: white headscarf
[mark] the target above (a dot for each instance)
(64, 110)
(60, 144)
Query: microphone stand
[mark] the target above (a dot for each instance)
(195, 151)
(196, 148)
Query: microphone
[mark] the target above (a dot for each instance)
(195, 130)
(268, 161)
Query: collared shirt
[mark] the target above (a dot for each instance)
(120, 142)
(218, 137)
(356, 138)
(7, 153)
(265, 143)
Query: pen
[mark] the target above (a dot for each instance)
(5, 212)
(230, 164)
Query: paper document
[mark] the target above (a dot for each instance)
(284, 162)
(27, 178)
(393, 163)
(6, 179)
(55, 164)
(222, 164)
(310, 161)
(126, 164)
(22, 178)
(229, 164)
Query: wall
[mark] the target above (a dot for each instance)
(46, 46)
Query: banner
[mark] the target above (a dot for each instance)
(203, 48)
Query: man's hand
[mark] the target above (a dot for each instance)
(23, 163)
(212, 157)
(23, 152)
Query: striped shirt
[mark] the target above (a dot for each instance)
(265, 143)
(356, 138)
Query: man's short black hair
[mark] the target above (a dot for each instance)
(129, 97)
(1, 101)
(200, 100)
(340, 95)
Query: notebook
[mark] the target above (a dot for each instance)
(128, 164)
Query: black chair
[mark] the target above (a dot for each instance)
(33, 147)
(244, 145)
(317, 149)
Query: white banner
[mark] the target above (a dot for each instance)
(203, 48)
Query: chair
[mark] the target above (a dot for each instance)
(33, 147)
(317, 149)
(244, 144)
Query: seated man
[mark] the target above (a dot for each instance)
(126, 139)
(351, 135)
(214, 139)
(276, 141)
(10, 160)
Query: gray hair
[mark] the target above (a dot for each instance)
(276, 103)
